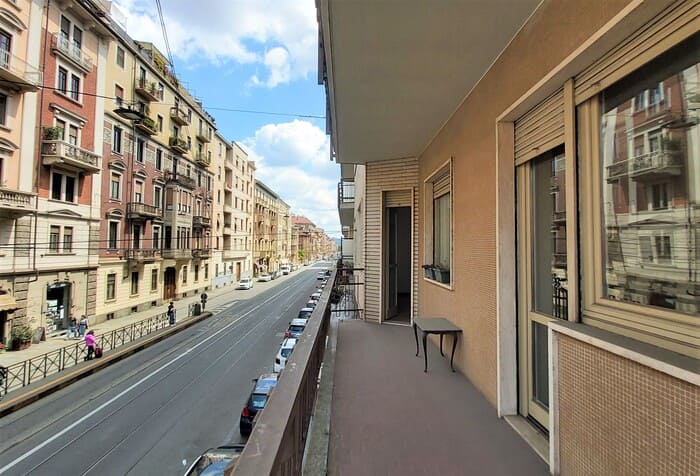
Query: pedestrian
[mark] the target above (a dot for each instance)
(72, 327)
(203, 298)
(82, 325)
(90, 344)
(171, 314)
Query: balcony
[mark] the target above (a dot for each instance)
(204, 136)
(148, 90)
(177, 253)
(147, 126)
(202, 158)
(228, 186)
(201, 253)
(179, 116)
(141, 255)
(199, 221)
(16, 202)
(180, 179)
(19, 73)
(346, 202)
(655, 165)
(617, 171)
(136, 210)
(68, 155)
(178, 144)
(72, 52)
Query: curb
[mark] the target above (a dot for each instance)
(30, 396)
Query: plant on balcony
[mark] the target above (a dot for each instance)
(53, 133)
(670, 144)
(148, 122)
(178, 142)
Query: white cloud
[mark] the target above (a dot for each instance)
(292, 159)
(278, 35)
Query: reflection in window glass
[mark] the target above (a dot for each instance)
(650, 148)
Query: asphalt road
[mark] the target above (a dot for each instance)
(156, 411)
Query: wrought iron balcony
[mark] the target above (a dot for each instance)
(142, 255)
(147, 126)
(179, 116)
(72, 52)
(142, 210)
(202, 158)
(656, 164)
(178, 178)
(16, 202)
(60, 152)
(148, 90)
(179, 144)
(19, 73)
(177, 253)
(201, 253)
(200, 221)
(203, 136)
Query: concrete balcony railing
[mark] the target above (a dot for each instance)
(66, 154)
(200, 221)
(656, 164)
(142, 255)
(142, 210)
(72, 52)
(148, 90)
(17, 71)
(201, 253)
(177, 253)
(179, 116)
(17, 202)
(178, 144)
(180, 179)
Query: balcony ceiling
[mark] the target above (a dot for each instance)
(398, 69)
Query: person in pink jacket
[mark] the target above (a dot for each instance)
(90, 344)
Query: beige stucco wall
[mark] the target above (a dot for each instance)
(557, 28)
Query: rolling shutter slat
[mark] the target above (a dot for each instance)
(540, 129)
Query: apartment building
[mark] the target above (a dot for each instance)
(20, 78)
(309, 242)
(544, 200)
(265, 229)
(235, 259)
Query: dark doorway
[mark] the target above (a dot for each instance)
(398, 264)
(169, 282)
(57, 306)
(238, 271)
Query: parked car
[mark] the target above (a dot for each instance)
(256, 401)
(316, 296)
(320, 275)
(285, 269)
(214, 460)
(275, 274)
(283, 354)
(305, 312)
(296, 328)
(265, 277)
(295, 267)
(310, 303)
(245, 283)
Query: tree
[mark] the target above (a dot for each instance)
(300, 255)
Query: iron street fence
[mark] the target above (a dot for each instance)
(24, 373)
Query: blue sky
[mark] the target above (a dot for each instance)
(258, 55)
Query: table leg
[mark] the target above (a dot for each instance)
(441, 354)
(415, 334)
(454, 346)
(425, 351)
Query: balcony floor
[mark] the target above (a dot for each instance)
(388, 417)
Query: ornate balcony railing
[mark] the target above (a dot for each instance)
(176, 253)
(21, 73)
(60, 152)
(142, 254)
(149, 90)
(656, 163)
(17, 201)
(183, 180)
(142, 210)
(179, 144)
(179, 116)
(201, 253)
(201, 221)
(71, 51)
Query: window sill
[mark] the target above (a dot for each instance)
(447, 286)
(4, 127)
(64, 202)
(110, 301)
(58, 253)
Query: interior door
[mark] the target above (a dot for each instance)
(392, 263)
(542, 277)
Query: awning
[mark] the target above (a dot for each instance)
(7, 302)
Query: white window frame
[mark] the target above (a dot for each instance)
(62, 192)
(116, 241)
(121, 183)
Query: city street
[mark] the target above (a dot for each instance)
(154, 412)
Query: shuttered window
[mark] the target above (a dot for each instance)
(540, 129)
(438, 239)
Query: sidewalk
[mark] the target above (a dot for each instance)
(217, 297)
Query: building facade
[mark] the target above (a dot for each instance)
(553, 218)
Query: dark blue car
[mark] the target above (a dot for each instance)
(256, 401)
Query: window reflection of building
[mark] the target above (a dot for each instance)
(650, 145)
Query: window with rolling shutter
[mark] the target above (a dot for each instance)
(540, 129)
(438, 225)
